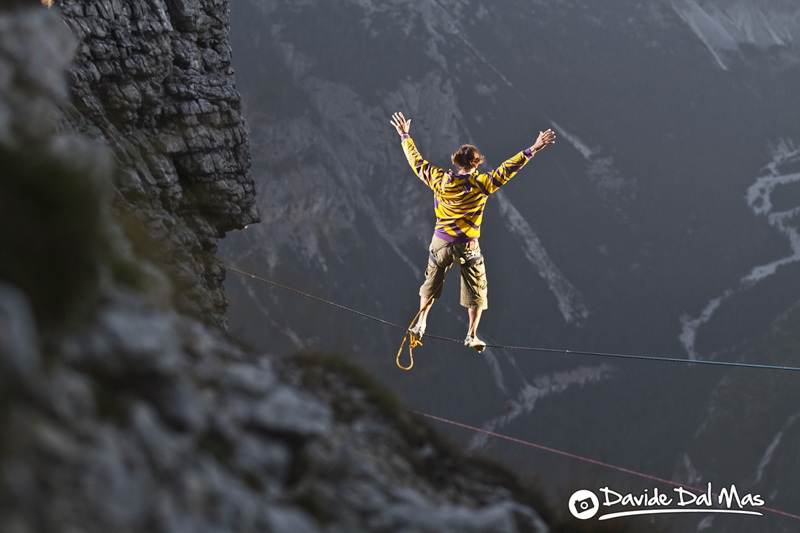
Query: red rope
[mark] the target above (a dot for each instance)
(584, 459)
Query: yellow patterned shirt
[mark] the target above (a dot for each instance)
(459, 199)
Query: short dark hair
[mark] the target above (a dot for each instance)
(467, 157)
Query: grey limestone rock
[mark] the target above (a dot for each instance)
(288, 410)
(153, 81)
(19, 350)
(31, 77)
(499, 518)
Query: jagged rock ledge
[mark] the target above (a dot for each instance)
(153, 81)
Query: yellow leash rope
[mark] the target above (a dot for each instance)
(413, 343)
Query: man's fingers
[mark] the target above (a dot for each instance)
(398, 119)
(546, 138)
(399, 122)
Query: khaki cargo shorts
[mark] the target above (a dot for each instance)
(468, 255)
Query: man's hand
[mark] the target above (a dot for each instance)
(400, 123)
(545, 138)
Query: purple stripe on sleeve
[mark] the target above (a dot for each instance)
(404, 136)
(514, 168)
(482, 188)
(528, 153)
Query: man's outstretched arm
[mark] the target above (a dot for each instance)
(498, 177)
(428, 173)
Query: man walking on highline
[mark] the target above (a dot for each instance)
(459, 200)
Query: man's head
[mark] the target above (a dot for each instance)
(467, 158)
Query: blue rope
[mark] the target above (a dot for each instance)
(526, 348)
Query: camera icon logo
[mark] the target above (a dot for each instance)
(583, 504)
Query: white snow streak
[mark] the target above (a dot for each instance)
(691, 325)
(570, 301)
(497, 372)
(579, 145)
(770, 452)
(542, 387)
(759, 198)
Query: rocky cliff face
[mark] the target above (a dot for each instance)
(120, 411)
(153, 81)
